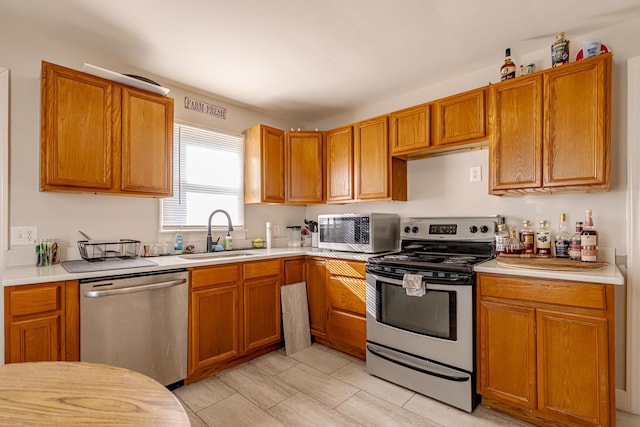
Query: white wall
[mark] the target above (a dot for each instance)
(101, 216)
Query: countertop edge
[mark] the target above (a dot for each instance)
(609, 275)
(26, 275)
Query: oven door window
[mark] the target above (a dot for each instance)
(433, 314)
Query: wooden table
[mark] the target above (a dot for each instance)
(75, 393)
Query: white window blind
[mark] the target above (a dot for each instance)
(208, 174)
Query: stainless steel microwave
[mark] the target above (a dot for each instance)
(368, 233)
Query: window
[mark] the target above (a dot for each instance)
(208, 174)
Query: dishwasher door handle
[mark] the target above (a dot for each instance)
(132, 289)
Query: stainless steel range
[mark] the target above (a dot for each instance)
(420, 307)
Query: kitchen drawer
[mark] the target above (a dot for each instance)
(347, 329)
(347, 293)
(575, 294)
(207, 276)
(347, 268)
(271, 267)
(33, 299)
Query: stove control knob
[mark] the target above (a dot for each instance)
(407, 229)
(415, 229)
(484, 228)
(473, 229)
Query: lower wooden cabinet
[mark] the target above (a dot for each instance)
(315, 274)
(346, 306)
(234, 314)
(42, 322)
(546, 349)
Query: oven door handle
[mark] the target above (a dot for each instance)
(445, 285)
(419, 365)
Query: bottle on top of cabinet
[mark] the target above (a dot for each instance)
(560, 50)
(543, 240)
(508, 69)
(528, 238)
(589, 239)
(563, 239)
(575, 247)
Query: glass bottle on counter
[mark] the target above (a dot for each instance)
(514, 245)
(527, 237)
(575, 247)
(501, 238)
(563, 239)
(589, 239)
(543, 240)
(508, 69)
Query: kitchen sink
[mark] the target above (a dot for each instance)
(216, 255)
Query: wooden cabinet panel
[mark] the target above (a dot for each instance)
(77, 138)
(551, 130)
(255, 269)
(515, 145)
(208, 276)
(264, 165)
(35, 340)
(261, 313)
(372, 171)
(410, 130)
(577, 125)
(304, 160)
(573, 367)
(348, 331)
(340, 163)
(215, 325)
(460, 119)
(294, 271)
(147, 143)
(347, 293)
(317, 295)
(42, 322)
(507, 353)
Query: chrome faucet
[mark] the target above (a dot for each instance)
(209, 238)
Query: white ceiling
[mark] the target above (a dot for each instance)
(312, 59)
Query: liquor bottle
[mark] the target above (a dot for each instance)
(574, 246)
(543, 240)
(514, 245)
(508, 69)
(563, 239)
(527, 237)
(560, 50)
(589, 239)
(501, 239)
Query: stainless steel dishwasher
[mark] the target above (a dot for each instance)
(138, 322)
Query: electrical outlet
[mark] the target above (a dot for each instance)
(475, 173)
(24, 235)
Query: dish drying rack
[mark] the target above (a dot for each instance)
(93, 250)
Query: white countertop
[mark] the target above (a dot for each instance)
(22, 275)
(609, 274)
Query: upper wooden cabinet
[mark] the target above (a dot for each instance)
(410, 130)
(104, 137)
(339, 165)
(304, 168)
(551, 131)
(378, 176)
(264, 165)
(460, 119)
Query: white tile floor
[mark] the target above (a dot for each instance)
(322, 387)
